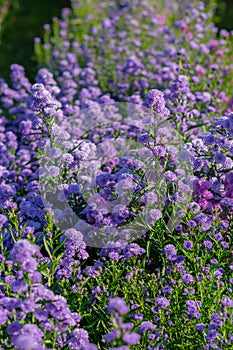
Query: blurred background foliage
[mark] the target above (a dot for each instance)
(22, 20)
(224, 14)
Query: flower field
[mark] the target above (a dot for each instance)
(116, 182)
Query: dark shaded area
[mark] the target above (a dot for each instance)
(224, 14)
(23, 24)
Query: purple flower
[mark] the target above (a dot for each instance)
(74, 235)
(192, 223)
(152, 216)
(200, 327)
(114, 256)
(7, 190)
(211, 335)
(25, 342)
(35, 276)
(214, 325)
(218, 237)
(67, 158)
(167, 290)
(54, 171)
(145, 326)
(224, 244)
(127, 325)
(74, 188)
(23, 248)
(133, 249)
(178, 259)
(191, 306)
(14, 328)
(29, 265)
(143, 138)
(183, 155)
(3, 220)
(170, 176)
(22, 254)
(194, 207)
(19, 286)
(40, 97)
(201, 218)
(90, 346)
(220, 158)
(208, 244)
(188, 245)
(3, 317)
(187, 279)
(209, 139)
(214, 261)
(227, 302)
(41, 315)
(28, 338)
(55, 152)
(131, 338)
(119, 305)
(9, 279)
(169, 249)
(162, 302)
(159, 151)
(78, 339)
(109, 337)
(155, 98)
(106, 23)
(106, 149)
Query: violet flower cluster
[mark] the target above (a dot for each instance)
(116, 183)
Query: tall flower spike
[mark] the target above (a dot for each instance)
(155, 98)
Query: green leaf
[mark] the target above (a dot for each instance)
(47, 248)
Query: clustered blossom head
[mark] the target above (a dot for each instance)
(22, 254)
(155, 99)
(27, 337)
(123, 331)
(169, 249)
(118, 305)
(51, 312)
(162, 302)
